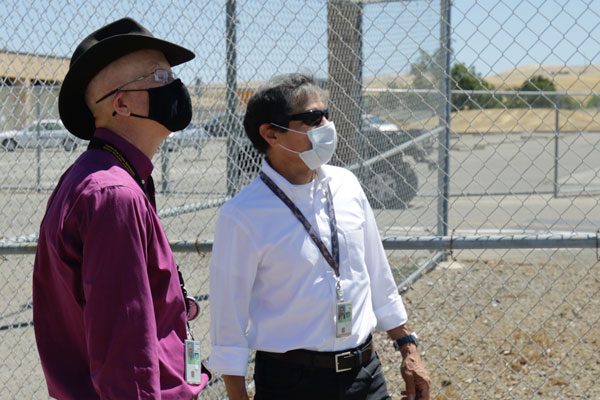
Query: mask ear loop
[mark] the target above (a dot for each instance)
(125, 90)
(288, 129)
(290, 150)
(291, 130)
(133, 115)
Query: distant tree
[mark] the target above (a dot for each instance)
(537, 83)
(422, 79)
(463, 78)
(369, 103)
(569, 103)
(389, 100)
(593, 102)
(428, 73)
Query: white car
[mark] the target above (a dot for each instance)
(374, 123)
(44, 133)
(192, 136)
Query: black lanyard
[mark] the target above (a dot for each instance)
(100, 144)
(332, 259)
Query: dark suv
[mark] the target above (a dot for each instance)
(388, 179)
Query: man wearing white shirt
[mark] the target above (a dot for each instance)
(298, 271)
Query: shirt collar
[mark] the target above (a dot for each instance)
(322, 178)
(141, 163)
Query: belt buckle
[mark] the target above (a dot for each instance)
(337, 361)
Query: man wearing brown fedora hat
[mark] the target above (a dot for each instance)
(109, 305)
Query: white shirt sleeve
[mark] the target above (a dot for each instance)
(233, 267)
(387, 303)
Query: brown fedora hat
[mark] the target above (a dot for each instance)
(95, 52)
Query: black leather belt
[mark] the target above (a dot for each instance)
(341, 361)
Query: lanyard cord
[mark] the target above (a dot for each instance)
(332, 259)
(100, 144)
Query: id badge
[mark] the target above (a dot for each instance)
(343, 319)
(193, 370)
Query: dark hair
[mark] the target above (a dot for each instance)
(279, 97)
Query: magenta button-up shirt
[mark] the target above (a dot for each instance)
(108, 311)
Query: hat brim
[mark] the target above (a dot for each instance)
(75, 114)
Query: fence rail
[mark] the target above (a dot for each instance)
(548, 241)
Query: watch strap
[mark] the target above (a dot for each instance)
(412, 338)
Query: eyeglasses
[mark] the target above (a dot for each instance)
(159, 75)
(310, 118)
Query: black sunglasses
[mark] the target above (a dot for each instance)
(310, 118)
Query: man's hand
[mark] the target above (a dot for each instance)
(416, 378)
(236, 387)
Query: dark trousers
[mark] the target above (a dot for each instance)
(277, 380)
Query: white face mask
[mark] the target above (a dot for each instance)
(324, 141)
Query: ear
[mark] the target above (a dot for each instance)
(269, 133)
(119, 105)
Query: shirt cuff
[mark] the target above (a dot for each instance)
(391, 315)
(229, 360)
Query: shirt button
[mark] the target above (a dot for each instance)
(143, 182)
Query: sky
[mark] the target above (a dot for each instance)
(277, 36)
(494, 36)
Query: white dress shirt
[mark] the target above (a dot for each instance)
(270, 287)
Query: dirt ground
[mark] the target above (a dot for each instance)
(495, 324)
(507, 326)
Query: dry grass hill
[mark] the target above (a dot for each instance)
(572, 78)
(525, 120)
(516, 120)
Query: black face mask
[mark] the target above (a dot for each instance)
(170, 106)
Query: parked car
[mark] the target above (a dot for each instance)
(374, 123)
(243, 161)
(220, 126)
(192, 136)
(45, 133)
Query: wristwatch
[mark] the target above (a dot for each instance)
(412, 338)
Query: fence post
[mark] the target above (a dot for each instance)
(444, 137)
(556, 133)
(233, 140)
(344, 53)
(164, 167)
(38, 146)
(231, 59)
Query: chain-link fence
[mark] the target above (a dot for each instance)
(472, 126)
